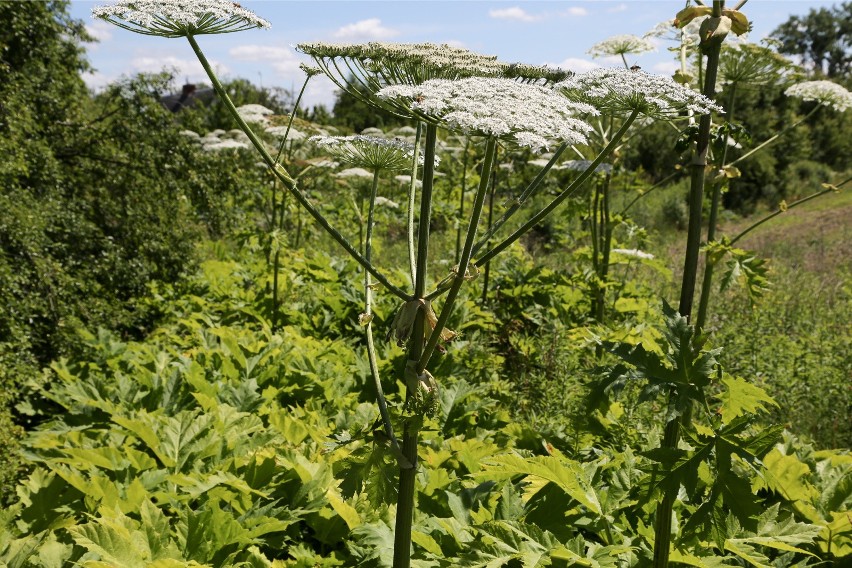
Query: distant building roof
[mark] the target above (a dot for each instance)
(188, 96)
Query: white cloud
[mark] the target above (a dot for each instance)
(577, 65)
(666, 67)
(95, 80)
(513, 13)
(370, 29)
(619, 8)
(183, 67)
(282, 59)
(100, 30)
(576, 11)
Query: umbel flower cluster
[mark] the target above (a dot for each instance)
(825, 92)
(363, 69)
(621, 91)
(368, 152)
(179, 18)
(528, 115)
(621, 45)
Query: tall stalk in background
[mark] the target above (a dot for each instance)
(711, 46)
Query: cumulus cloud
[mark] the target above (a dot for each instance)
(99, 30)
(184, 67)
(576, 11)
(281, 59)
(513, 13)
(618, 8)
(95, 80)
(370, 29)
(577, 65)
(666, 67)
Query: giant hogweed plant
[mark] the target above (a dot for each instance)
(493, 102)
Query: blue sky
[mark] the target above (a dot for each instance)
(555, 33)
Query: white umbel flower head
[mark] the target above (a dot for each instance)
(621, 45)
(635, 253)
(528, 115)
(254, 113)
(825, 92)
(179, 18)
(368, 152)
(621, 91)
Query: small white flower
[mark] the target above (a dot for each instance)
(621, 45)
(385, 202)
(354, 172)
(254, 113)
(179, 18)
(224, 145)
(529, 115)
(635, 253)
(279, 131)
(825, 92)
(620, 91)
(406, 180)
(190, 134)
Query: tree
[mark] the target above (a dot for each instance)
(822, 38)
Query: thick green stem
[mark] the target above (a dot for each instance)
(461, 270)
(707, 282)
(412, 187)
(287, 180)
(486, 272)
(567, 192)
(407, 474)
(604, 251)
(663, 519)
(461, 199)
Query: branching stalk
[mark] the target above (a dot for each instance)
(663, 519)
(287, 180)
(461, 270)
(521, 199)
(567, 192)
(412, 187)
(407, 475)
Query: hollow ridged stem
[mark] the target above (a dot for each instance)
(567, 192)
(412, 191)
(521, 199)
(407, 475)
(461, 198)
(282, 174)
(663, 518)
(461, 271)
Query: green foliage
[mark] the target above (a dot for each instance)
(821, 38)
